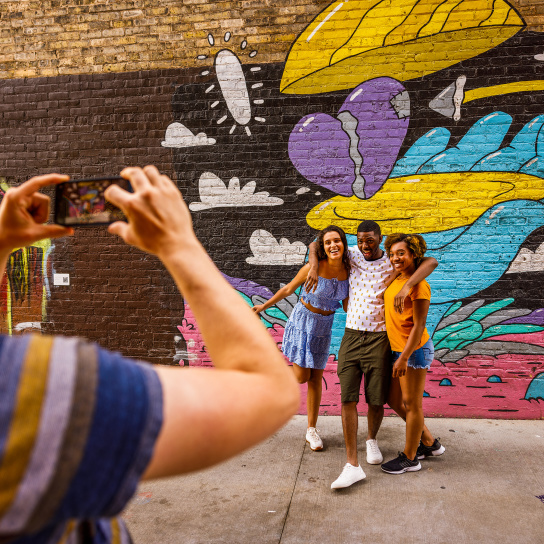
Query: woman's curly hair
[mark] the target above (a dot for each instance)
(416, 244)
(321, 246)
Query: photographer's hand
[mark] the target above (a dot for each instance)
(23, 213)
(158, 218)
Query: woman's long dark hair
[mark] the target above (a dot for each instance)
(321, 246)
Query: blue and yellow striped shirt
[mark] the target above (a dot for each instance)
(77, 430)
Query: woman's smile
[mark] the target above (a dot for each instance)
(332, 243)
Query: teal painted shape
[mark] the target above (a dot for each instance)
(511, 158)
(250, 304)
(277, 313)
(426, 147)
(466, 266)
(500, 330)
(425, 394)
(489, 309)
(536, 388)
(454, 308)
(460, 335)
(437, 240)
(457, 335)
(338, 328)
(445, 381)
(483, 138)
(535, 167)
(435, 314)
(494, 379)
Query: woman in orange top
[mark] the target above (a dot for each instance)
(412, 350)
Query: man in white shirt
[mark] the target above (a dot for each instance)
(365, 348)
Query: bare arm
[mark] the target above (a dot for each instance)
(421, 308)
(345, 303)
(285, 291)
(428, 264)
(209, 415)
(313, 273)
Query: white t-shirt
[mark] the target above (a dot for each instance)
(367, 282)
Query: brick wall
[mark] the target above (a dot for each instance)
(425, 120)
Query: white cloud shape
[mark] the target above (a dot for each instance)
(267, 251)
(303, 190)
(528, 261)
(215, 194)
(178, 135)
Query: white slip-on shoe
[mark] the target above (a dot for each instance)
(349, 476)
(373, 454)
(316, 444)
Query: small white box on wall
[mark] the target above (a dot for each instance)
(61, 279)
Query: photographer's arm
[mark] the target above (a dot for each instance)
(209, 415)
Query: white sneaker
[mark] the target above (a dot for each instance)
(349, 476)
(373, 454)
(316, 444)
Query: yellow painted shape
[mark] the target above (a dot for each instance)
(427, 202)
(469, 14)
(374, 27)
(412, 25)
(507, 88)
(439, 18)
(352, 42)
(499, 16)
(25, 422)
(333, 27)
(512, 17)
(397, 61)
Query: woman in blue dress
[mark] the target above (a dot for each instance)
(307, 336)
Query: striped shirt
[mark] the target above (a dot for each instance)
(77, 430)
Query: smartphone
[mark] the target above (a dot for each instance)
(81, 202)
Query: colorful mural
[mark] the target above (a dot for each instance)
(385, 111)
(426, 116)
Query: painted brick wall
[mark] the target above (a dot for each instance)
(277, 119)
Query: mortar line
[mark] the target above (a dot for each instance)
(292, 494)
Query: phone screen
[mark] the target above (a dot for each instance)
(81, 202)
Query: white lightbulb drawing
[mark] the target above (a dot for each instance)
(233, 85)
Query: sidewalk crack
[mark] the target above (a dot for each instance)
(292, 493)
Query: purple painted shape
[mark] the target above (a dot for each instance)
(248, 287)
(319, 150)
(319, 145)
(382, 126)
(534, 318)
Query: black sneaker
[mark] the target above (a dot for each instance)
(401, 464)
(430, 451)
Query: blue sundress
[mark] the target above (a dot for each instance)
(307, 336)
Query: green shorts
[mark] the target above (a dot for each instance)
(368, 353)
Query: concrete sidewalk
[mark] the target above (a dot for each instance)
(487, 487)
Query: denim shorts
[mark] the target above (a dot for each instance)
(421, 358)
